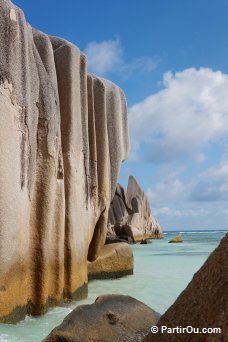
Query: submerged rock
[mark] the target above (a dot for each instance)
(176, 239)
(64, 135)
(203, 304)
(115, 260)
(130, 214)
(111, 318)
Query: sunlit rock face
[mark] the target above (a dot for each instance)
(64, 135)
(115, 261)
(130, 214)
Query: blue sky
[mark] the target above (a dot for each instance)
(171, 60)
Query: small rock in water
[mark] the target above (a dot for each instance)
(176, 239)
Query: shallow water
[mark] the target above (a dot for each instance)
(162, 271)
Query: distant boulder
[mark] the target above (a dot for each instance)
(176, 239)
(130, 214)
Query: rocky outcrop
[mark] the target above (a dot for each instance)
(203, 304)
(111, 318)
(115, 260)
(176, 239)
(130, 214)
(63, 137)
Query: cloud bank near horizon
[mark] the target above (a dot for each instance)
(182, 130)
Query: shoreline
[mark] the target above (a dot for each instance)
(147, 284)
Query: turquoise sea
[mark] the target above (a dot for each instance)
(162, 271)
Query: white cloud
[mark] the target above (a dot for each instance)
(212, 186)
(168, 187)
(219, 173)
(107, 56)
(205, 192)
(209, 186)
(169, 190)
(190, 112)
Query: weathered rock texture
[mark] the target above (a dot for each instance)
(203, 304)
(112, 318)
(130, 214)
(63, 137)
(115, 260)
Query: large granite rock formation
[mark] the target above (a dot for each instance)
(63, 137)
(115, 260)
(203, 304)
(130, 214)
(111, 318)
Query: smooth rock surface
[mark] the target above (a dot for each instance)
(64, 135)
(115, 260)
(111, 318)
(203, 304)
